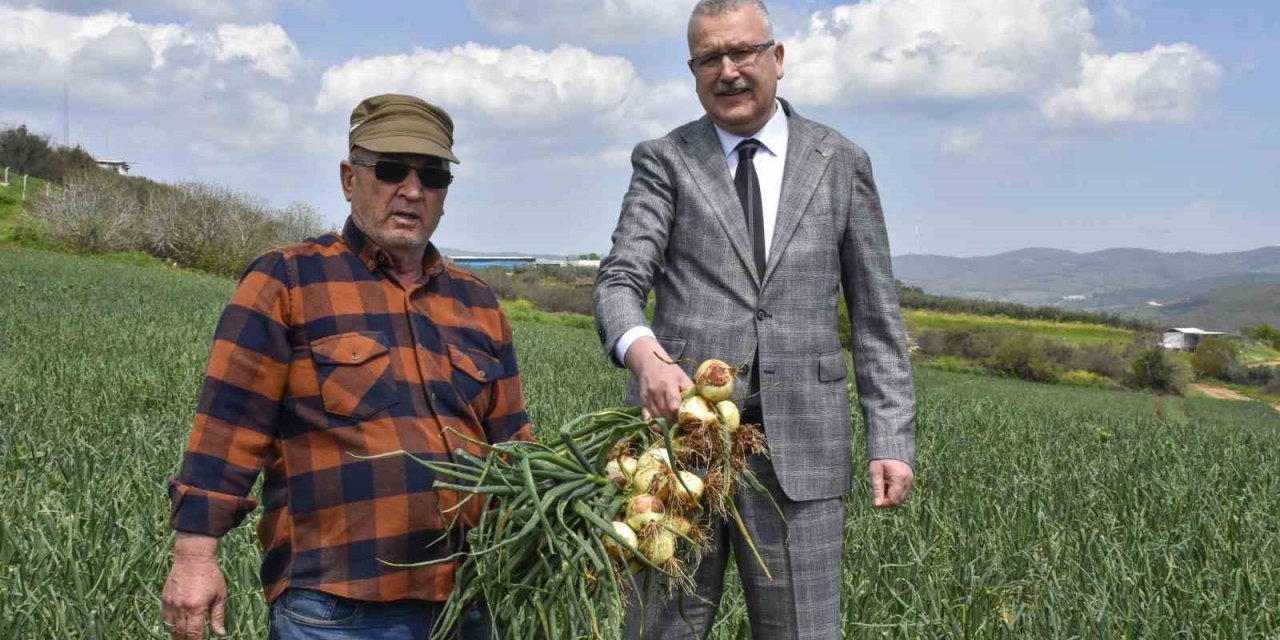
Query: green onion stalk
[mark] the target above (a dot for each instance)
(568, 528)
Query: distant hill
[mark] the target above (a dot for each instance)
(1226, 290)
(1225, 308)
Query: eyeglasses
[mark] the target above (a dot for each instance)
(395, 173)
(743, 57)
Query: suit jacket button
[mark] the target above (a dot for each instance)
(762, 314)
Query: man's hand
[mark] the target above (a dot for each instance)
(195, 588)
(660, 383)
(890, 482)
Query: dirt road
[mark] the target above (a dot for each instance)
(1220, 393)
(1225, 394)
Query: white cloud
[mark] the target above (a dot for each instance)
(182, 101)
(1042, 52)
(935, 49)
(517, 88)
(267, 46)
(566, 97)
(211, 11)
(585, 20)
(1163, 84)
(960, 141)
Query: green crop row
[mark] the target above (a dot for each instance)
(1039, 512)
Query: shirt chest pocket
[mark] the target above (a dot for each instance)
(472, 372)
(354, 371)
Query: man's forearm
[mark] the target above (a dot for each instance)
(194, 546)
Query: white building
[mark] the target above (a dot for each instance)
(1185, 338)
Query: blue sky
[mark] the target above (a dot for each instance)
(992, 124)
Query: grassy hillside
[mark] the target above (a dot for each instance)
(11, 202)
(1074, 333)
(1040, 511)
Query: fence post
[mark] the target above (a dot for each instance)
(6, 176)
(24, 188)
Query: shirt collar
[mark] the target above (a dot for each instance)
(374, 257)
(773, 135)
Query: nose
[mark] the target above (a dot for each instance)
(728, 70)
(411, 187)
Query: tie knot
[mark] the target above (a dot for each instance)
(747, 148)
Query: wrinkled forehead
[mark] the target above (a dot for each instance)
(731, 29)
(411, 159)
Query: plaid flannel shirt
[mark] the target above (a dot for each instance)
(321, 357)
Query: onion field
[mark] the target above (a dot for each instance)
(1039, 511)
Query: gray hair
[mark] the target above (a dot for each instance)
(717, 7)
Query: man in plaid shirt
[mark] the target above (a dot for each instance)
(331, 351)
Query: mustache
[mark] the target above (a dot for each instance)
(740, 84)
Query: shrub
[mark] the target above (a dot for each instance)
(953, 364)
(1155, 368)
(1082, 378)
(1102, 360)
(92, 212)
(1264, 333)
(1273, 387)
(1214, 358)
(32, 154)
(1023, 357)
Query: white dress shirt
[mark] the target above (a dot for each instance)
(769, 161)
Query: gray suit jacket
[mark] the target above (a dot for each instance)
(682, 233)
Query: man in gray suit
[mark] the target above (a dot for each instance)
(747, 223)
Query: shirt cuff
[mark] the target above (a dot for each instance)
(206, 512)
(625, 342)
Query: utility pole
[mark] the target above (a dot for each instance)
(66, 115)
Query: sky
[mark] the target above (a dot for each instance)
(992, 125)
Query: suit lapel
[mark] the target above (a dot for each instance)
(808, 153)
(705, 160)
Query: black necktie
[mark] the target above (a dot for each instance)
(748, 184)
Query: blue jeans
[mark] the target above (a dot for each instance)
(304, 614)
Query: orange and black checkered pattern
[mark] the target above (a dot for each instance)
(321, 360)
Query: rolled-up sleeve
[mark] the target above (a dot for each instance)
(231, 436)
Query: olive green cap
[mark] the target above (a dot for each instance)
(394, 123)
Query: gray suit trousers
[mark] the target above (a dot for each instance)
(804, 554)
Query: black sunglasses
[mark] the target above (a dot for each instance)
(395, 173)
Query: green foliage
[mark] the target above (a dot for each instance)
(1156, 369)
(1273, 387)
(32, 154)
(952, 364)
(523, 311)
(1264, 333)
(1082, 378)
(1023, 357)
(1214, 358)
(556, 289)
(1074, 333)
(1039, 511)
